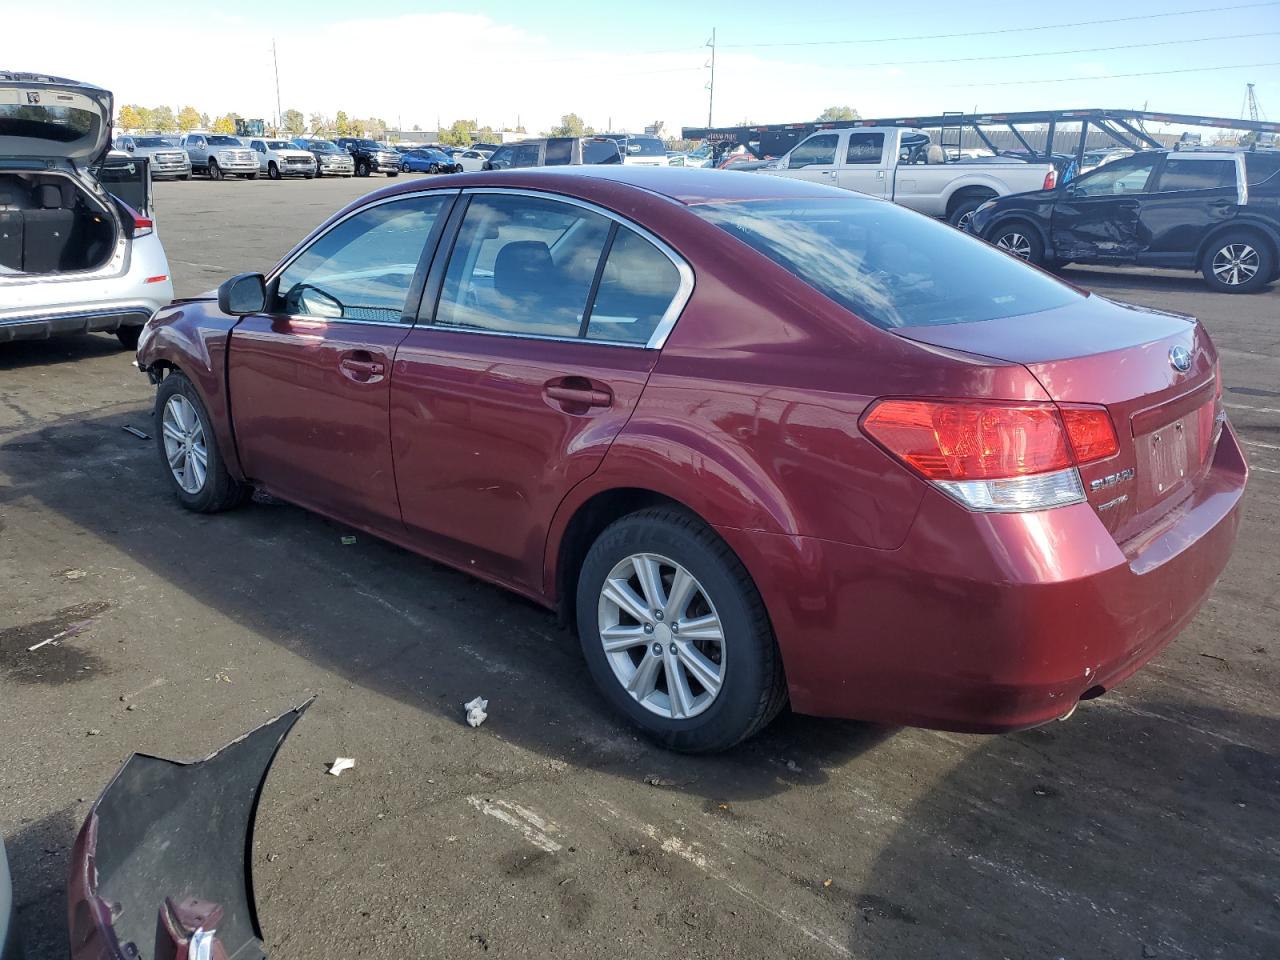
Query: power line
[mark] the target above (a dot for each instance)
(1120, 76)
(1060, 53)
(1006, 30)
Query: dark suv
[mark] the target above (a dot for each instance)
(370, 156)
(1216, 211)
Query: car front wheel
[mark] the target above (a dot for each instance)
(273, 172)
(362, 169)
(1019, 240)
(215, 172)
(675, 633)
(189, 451)
(1238, 262)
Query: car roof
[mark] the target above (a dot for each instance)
(686, 185)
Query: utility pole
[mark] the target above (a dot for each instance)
(275, 59)
(711, 87)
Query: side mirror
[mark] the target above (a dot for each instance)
(243, 294)
(488, 165)
(131, 148)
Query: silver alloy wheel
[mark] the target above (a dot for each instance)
(184, 443)
(662, 636)
(1015, 243)
(963, 222)
(1236, 263)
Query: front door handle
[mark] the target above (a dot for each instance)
(360, 366)
(587, 396)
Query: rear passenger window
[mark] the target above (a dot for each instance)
(362, 268)
(522, 265)
(1197, 174)
(865, 148)
(1261, 166)
(636, 288)
(559, 152)
(525, 156)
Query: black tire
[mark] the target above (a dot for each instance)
(215, 172)
(1228, 259)
(362, 168)
(251, 176)
(273, 171)
(220, 490)
(404, 167)
(393, 173)
(128, 337)
(959, 217)
(753, 689)
(1018, 238)
(185, 176)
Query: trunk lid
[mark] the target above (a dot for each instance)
(51, 118)
(1128, 359)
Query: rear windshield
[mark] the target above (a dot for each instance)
(59, 124)
(645, 147)
(600, 151)
(223, 141)
(892, 267)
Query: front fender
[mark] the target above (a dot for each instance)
(192, 336)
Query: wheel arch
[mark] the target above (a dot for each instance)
(1017, 216)
(970, 191)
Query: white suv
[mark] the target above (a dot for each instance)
(79, 250)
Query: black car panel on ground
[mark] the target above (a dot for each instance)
(1216, 211)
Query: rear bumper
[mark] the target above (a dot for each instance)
(45, 325)
(988, 622)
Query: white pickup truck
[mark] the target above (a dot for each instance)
(900, 164)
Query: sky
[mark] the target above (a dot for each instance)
(620, 67)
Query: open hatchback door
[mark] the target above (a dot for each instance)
(51, 119)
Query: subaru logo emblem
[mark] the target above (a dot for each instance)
(1180, 358)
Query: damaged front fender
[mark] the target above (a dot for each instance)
(161, 869)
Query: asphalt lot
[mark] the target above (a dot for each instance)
(1146, 826)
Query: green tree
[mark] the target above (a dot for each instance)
(163, 120)
(188, 119)
(837, 113)
(204, 121)
(485, 134)
(416, 127)
(342, 124)
(571, 125)
(456, 134)
(225, 124)
(129, 118)
(144, 117)
(294, 122)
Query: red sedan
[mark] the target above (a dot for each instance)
(759, 439)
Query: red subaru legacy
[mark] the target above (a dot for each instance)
(759, 440)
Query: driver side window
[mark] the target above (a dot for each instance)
(818, 151)
(362, 268)
(1119, 178)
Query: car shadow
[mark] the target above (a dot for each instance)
(18, 354)
(387, 619)
(1137, 829)
(40, 858)
(1102, 281)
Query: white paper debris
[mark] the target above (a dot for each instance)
(340, 764)
(476, 711)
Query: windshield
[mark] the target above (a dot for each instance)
(368, 144)
(892, 267)
(218, 140)
(153, 142)
(279, 145)
(323, 146)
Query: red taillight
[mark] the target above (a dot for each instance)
(957, 440)
(1091, 433)
(1051, 178)
(142, 225)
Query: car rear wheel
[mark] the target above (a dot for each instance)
(273, 171)
(676, 635)
(1238, 262)
(128, 337)
(215, 172)
(963, 213)
(1019, 240)
(189, 450)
